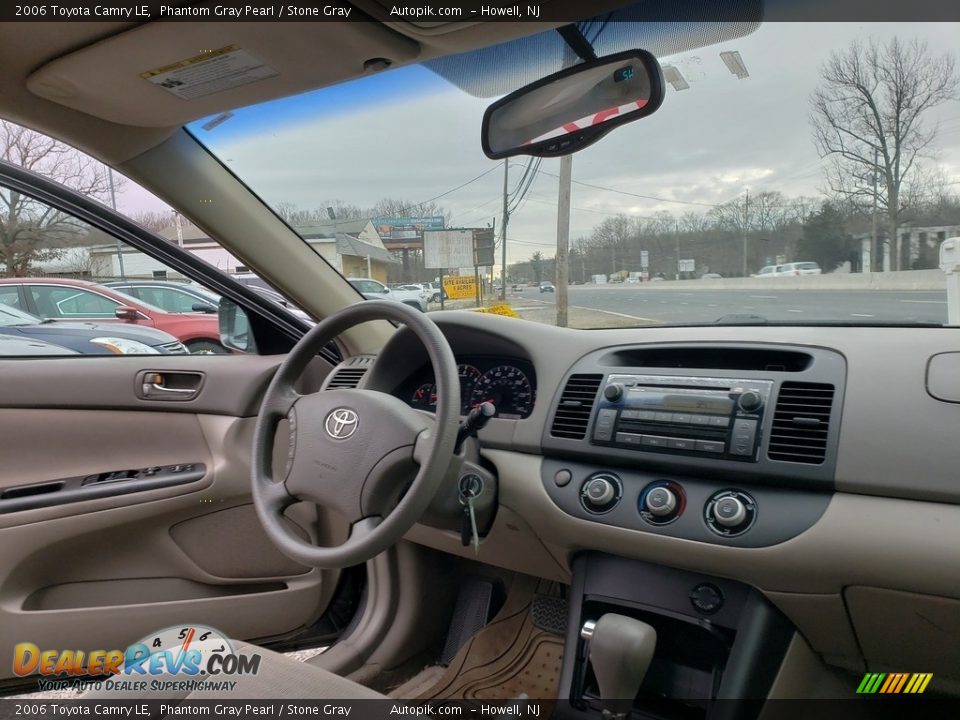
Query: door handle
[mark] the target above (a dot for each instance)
(169, 386)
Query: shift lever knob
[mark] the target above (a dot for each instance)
(621, 649)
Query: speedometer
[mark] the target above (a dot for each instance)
(508, 388)
(468, 380)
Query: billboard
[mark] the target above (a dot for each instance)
(406, 228)
(447, 249)
(483, 246)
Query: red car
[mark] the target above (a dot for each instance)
(62, 299)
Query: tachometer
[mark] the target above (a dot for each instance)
(508, 388)
(468, 380)
(425, 397)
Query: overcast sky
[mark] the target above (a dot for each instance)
(409, 134)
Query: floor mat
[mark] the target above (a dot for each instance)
(507, 659)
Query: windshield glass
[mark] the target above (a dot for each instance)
(11, 317)
(753, 195)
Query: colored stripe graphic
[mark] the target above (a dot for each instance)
(894, 683)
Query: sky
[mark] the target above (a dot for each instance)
(409, 134)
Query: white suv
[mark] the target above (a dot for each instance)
(799, 268)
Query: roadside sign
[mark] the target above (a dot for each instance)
(447, 248)
(460, 287)
(483, 246)
(644, 259)
(687, 265)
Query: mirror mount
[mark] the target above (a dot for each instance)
(236, 332)
(573, 108)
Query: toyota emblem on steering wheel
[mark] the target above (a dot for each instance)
(341, 423)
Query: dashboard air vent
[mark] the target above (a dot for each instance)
(576, 402)
(801, 423)
(350, 373)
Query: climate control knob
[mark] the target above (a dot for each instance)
(750, 401)
(730, 512)
(660, 502)
(600, 492)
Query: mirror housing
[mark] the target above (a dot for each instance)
(203, 307)
(573, 108)
(235, 331)
(125, 312)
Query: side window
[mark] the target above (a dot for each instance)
(71, 302)
(64, 267)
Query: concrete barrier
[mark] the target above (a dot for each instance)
(871, 281)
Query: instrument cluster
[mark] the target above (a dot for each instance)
(508, 383)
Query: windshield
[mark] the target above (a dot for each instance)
(12, 317)
(757, 179)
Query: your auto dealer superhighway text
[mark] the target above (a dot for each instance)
(233, 710)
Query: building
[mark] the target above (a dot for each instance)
(924, 244)
(352, 247)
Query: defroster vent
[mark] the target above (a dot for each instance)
(350, 372)
(576, 402)
(801, 423)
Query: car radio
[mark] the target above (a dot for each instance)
(702, 416)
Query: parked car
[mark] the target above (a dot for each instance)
(88, 338)
(61, 299)
(11, 346)
(546, 286)
(182, 297)
(767, 271)
(376, 290)
(711, 276)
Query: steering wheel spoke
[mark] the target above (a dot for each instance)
(355, 451)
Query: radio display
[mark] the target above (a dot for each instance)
(679, 401)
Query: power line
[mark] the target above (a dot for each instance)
(636, 195)
(451, 190)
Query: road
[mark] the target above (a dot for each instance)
(679, 306)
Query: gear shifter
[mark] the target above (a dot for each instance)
(621, 649)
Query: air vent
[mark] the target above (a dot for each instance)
(576, 402)
(350, 372)
(801, 423)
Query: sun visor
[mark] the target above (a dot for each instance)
(166, 74)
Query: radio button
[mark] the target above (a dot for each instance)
(628, 438)
(750, 401)
(683, 418)
(613, 392)
(719, 421)
(653, 441)
(663, 416)
(646, 415)
(744, 436)
(680, 444)
(711, 446)
(603, 430)
(699, 419)
(630, 415)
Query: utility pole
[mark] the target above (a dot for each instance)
(746, 225)
(676, 237)
(875, 254)
(562, 259)
(113, 204)
(503, 238)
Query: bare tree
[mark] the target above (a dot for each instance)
(869, 117)
(32, 231)
(153, 220)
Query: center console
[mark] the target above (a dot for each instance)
(716, 639)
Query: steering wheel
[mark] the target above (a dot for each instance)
(354, 451)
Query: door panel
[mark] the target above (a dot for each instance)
(102, 573)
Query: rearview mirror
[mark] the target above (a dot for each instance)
(235, 332)
(573, 108)
(203, 307)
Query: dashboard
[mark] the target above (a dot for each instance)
(507, 382)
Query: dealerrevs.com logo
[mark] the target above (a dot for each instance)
(178, 658)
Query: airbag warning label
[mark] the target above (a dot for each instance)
(209, 72)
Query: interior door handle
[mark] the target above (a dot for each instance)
(169, 386)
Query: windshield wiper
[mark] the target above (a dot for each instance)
(741, 319)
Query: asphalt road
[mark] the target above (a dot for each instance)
(679, 306)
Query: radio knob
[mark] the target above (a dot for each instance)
(599, 492)
(750, 401)
(730, 512)
(613, 392)
(661, 502)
